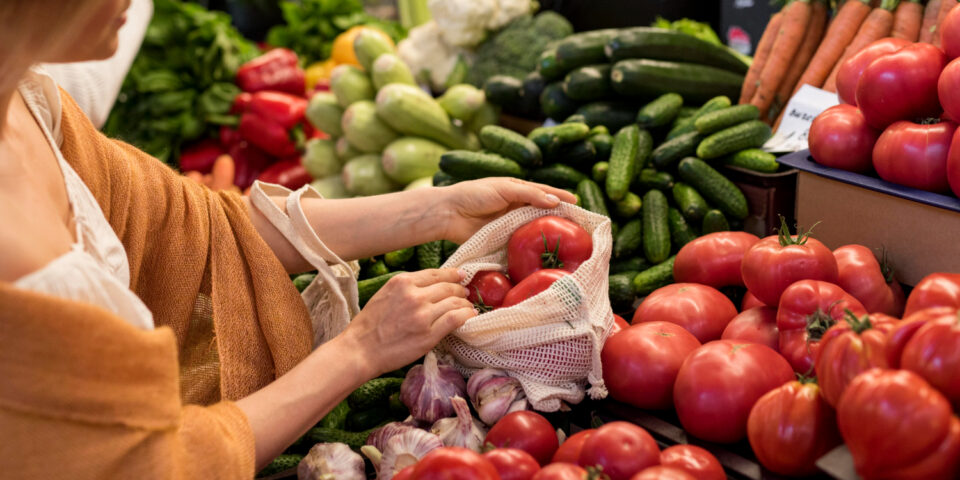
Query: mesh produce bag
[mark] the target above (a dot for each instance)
(551, 342)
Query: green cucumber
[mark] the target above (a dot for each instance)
(716, 188)
(599, 130)
(588, 83)
(360, 420)
(680, 231)
(303, 281)
(373, 393)
(696, 83)
(282, 463)
(511, 145)
(664, 44)
(557, 175)
(583, 49)
(753, 159)
(628, 206)
(556, 104)
(547, 65)
(503, 90)
(715, 221)
(449, 248)
(623, 161)
(654, 277)
(613, 115)
(691, 204)
(399, 258)
(685, 112)
(443, 179)
(591, 197)
(602, 143)
(533, 85)
(354, 440)
(688, 125)
(629, 239)
(731, 140)
(614, 229)
(656, 228)
(599, 172)
(467, 165)
(650, 179)
(430, 255)
(575, 118)
(661, 111)
(715, 121)
(580, 155)
(336, 418)
(367, 288)
(375, 268)
(635, 264)
(550, 138)
(669, 152)
(621, 291)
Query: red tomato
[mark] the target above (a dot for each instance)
(700, 309)
(901, 85)
(622, 449)
(942, 463)
(561, 471)
(862, 276)
(807, 309)
(405, 474)
(750, 301)
(840, 138)
(791, 427)
(776, 262)
(852, 68)
(933, 351)
(757, 325)
(290, 173)
(953, 164)
(947, 87)
(620, 322)
(454, 462)
(894, 420)
(488, 289)
(513, 464)
(901, 334)
(950, 34)
(569, 451)
(915, 155)
(525, 430)
(713, 259)
(640, 363)
(547, 242)
(719, 383)
(661, 472)
(848, 348)
(694, 460)
(532, 285)
(934, 290)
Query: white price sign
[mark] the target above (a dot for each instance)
(802, 109)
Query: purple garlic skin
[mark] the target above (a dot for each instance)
(462, 430)
(428, 388)
(494, 394)
(331, 460)
(379, 437)
(404, 450)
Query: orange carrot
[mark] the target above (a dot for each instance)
(796, 19)
(818, 23)
(945, 7)
(907, 20)
(929, 21)
(841, 31)
(223, 173)
(760, 57)
(877, 25)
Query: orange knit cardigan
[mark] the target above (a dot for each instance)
(84, 395)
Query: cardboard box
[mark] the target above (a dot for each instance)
(917, 228)
(769, 195)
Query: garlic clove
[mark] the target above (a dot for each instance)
(331, 460)
(404, 450)
(461, 431)
(427, 389)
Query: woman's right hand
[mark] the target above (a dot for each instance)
(410, 314)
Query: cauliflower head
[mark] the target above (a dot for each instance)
(463, 23)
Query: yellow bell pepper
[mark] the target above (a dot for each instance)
(318, 71)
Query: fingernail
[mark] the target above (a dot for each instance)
(466, 292)
(552, 198)
(462, 274)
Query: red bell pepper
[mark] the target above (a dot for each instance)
(269, 136)
(278, 69)
(249, 162)
(200, 156)
(284, 109)
(290, 173)
(241, 102)
(229, 136)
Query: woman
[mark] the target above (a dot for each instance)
(101, 244)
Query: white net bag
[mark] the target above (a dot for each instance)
(550, 342)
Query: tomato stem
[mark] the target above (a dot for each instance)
(786, 239)
(806, 379)
(480, 306)
(818, 323)
(885, 267)
(858, 325)
(550, 259)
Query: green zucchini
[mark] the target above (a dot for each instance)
(663, 44)
(591, 82)
(613, 115)
(716, 188)
(715, 221)
(399, 258)
(467, 165)
(430, 255)
(556, 104)
(731, 140)
(629, 239)
(753, 159)
(691, 204)
(680, 231)
(599, 172)
(282, 463)
(303, 281)
(661, 111)
(635, 264)
(688, 125)
(623, 161)
(669, 152)
(696, 83)
(503, 90)
(336, 418)
(654, 277)
(373, 393)
(511, 145)
(656, 228)
(650, 179)
(628, 206)
(367, 288)
(557, 175)
(602, 143)
(620, 288)
(591, 197)
(715, 121)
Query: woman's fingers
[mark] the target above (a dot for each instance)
(541, 196)
(439, 291)
(451, 321)
(435, 275)
(449, 304)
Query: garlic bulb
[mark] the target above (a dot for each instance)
(462, 430)
(379, 437)
(328, 461)
(494, 394)
(404, 450)
(427, 389)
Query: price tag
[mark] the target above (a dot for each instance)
(802, 109)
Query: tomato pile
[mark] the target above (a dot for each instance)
(901, 105)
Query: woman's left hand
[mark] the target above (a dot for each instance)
(475, 203)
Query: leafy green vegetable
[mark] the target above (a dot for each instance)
(690, 27)
(515, 49)
(312, 25)
(181, 83)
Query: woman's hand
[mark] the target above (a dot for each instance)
(408, 317)
(474, 204)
